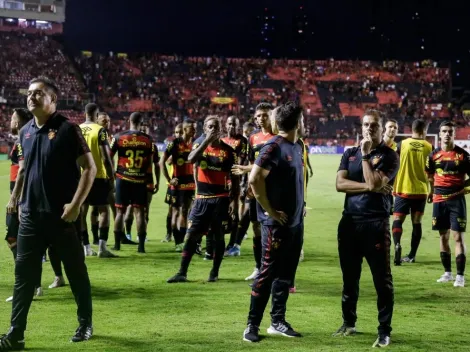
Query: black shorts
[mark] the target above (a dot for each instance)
(168, 196)
(450, 214)
(179, 198)
(209, 213)
(405, 206)
(13, 226)
(130, 193)
(253, 211)
(99, 193)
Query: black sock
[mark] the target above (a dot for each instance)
(233, 234)
(243, 226)
(188, 251)
(176, 235)
(118, 236)
(210, 242)
(85, 238)
(397, 231)
(446, 263)
(168, 225)
(55, 262)
(415, 239)
(257, 251)
(128, 223)
(219, 249)
(142, 237)
(104, 233)
(94, 231)
(460, 262)
(182, 234)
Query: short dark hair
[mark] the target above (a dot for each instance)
(264, 106)
(375, 113)
(24, 115)
(446, 124)
(249, 124)
(102, 113)
(288, 116)
(188, 122)
(49, 83)
(419, 126)
(136, 118)
(235, 118)
(91, 109)
(391, 120)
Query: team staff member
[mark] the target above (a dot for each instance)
(19, 118)
(216, 197)
(51, 152)
(411, 189)
(447, 167)
(256, 142)
(280, 212)
(364, 230)
(182, 184)
(135, 151)
(391, 130)
(97, 140)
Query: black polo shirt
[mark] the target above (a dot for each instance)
(50, 160)
(285, 182)
(368, 206)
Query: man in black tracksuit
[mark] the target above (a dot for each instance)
(364, 230)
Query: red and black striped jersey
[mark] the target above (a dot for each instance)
(449, 170)
(135, 151)
(155, 160)
(213, 170)
(15, 166)
(182, 168)
(256, 142)
(239, 144)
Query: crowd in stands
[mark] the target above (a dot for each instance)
(171, 88)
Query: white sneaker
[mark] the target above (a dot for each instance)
(39, 292)
(89, 252)
(446, 277)
(459, 281)
(253, 275)
(9, 299)
(301, 259)
(58, 282)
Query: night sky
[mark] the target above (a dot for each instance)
(375, 29)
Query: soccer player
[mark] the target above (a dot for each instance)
(256, 142)
(447, 167)
(19, 118)
(411, 189)
(169, 199)
(97, 140)
(364, 231)
(391, 130)
(182, 183)
(280, 211)
(51, 151)
(239, 144)
(216, 197)
(135, 151)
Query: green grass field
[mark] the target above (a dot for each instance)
(136, 310)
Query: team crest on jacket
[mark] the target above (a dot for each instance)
(51, 134)
(375, 160)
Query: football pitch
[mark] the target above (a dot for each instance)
(136, 310)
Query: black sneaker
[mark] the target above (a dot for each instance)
(141, 249)
(345, 330)
(397, 259)
(382, 341)
(251, 333)
(125, 240)
(177, 278)
(213, 277)
(283, 328)
(7, 343)
(83, 333)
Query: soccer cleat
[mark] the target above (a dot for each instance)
(382, 341)
(227, 251)
(212, 278)
(253, 275)
(141, 249)
(9, 299)
(283, 328)
(234, 251)
(199, 249)
(167, 238)
(207, 256)
(83, 333)
(106, 254)
(292, 289)
(58, 282)
(125, 240)
(39, 292)
(397, 259)
(345, 330)
(251, 333)
(459, 281)
(7, 343)
(129, 237)
(446, 277)
(301, 258)
(179, 248)
(89, 252)
(177, 278)
(408, 259)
